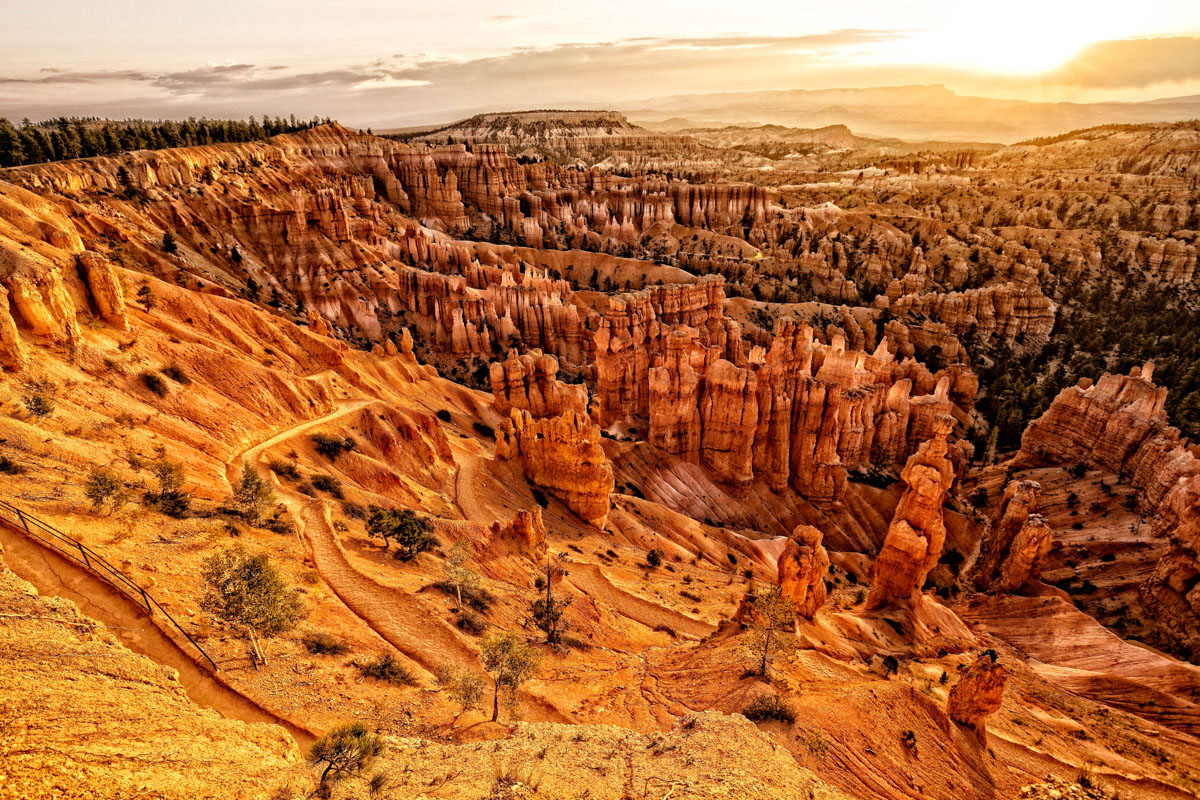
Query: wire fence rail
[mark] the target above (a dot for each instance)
(91, 560)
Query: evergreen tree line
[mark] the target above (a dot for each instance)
(64, 138)
(1108, 325)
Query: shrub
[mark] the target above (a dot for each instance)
(307, 488)
(769, 707)
(979, 497)
(443, 415)
(168, 243)
(891, 665)
(10, 467)
(910, 739)
(285, 469)
(464, 686)
(355, 510)
(322, 644)
(953, 559)
(281, 525)
(411, 531)
(104, 488)
(388, 670)
(176, 373)
(170, 499)
(487, 431)
(155, 383)
(654, 557)
(332, 446)
(328, 484)
(472, 623)
(253, 495)
(39, 398)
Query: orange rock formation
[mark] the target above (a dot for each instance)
(527, 382)
(917, 534)
(803, 565)
(978, 694)
(562, 455)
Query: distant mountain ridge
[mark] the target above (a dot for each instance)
(564, 135)
(904, 112)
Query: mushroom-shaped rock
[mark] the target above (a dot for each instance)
(978, 694)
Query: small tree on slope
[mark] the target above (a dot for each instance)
(246, 590)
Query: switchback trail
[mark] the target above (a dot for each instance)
(402, 619)
(593, 582)
(398, 616)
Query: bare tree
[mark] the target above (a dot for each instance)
(548, 609)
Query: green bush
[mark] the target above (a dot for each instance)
(10, 467)
(253, 496)
(155, 383)
(104, 488)
(176, 373)
(472, 623)
(322, 644)
(328, 484)
(39, 398)
(285, 469)
(769, 707)
(353, 509)
(332, 446)
(388, 670)
(411, 531)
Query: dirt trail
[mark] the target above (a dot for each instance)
(396, 615)
(55, 575)
(592, 581)
(251, 454)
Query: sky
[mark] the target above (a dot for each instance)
(374, 63)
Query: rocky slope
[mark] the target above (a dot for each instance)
(132, 729)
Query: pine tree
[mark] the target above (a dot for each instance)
(146, 296)
(510, 661)
(548, 609)
(247, 590)
(253, 495)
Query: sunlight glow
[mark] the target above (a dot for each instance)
(1019, 37)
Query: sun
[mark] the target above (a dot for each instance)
(1018, 37)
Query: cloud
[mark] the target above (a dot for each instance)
(1131, 63)
(505, 18)
(54, 75)
(414, 88)
(590, 72)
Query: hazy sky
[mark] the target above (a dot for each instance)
(377, 63)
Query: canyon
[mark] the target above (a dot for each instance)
(640, 381)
